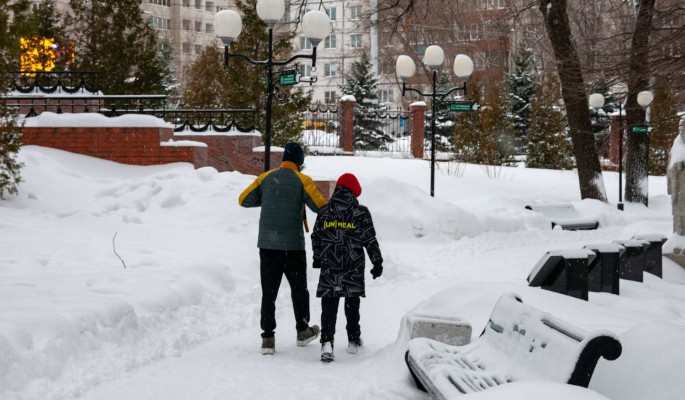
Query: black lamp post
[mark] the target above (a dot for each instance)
(433, 58)
(644, 99)
(315, 25)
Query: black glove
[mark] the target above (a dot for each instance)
(376, 271)
(316, 263)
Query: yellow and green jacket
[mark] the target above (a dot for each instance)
(282, 194)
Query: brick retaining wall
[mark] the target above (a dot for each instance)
(136, 146)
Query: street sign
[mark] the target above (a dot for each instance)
(288, 78)
(639, 129)
(463, 106)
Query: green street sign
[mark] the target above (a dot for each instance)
(463, 106)
(640, 129)
(289, 78)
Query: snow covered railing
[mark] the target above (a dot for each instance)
(564, 215)
(519, 343)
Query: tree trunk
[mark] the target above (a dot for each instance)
(573, 92)
(637, 145)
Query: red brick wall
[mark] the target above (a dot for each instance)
(137, 146)
(235, 152)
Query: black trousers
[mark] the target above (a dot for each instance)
(329, 315)
(273, 265)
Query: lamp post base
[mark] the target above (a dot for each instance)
(620, 206)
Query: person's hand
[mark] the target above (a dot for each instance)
(376, 271)
(316, 263)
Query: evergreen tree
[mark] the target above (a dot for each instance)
(166, 58)
(113, 39)
(444, 126)
(361, 84)
(15, 23)
(664, 123)
(548, 146)
(243, 85)
(601, 123)
(209, 84)
(484, 136)
(521, 90)
(10, 134)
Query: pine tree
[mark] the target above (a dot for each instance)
(363, 85)
(166, 59)
(10, 134)
(664, 123)
(113, 39)
(243, 85)
(484, 136)
(521, 90)
(444, 126)
(548, 146)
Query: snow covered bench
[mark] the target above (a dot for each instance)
(564, 215)
(519, 343)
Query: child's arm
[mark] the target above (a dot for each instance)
(369, 239)
(316, 242)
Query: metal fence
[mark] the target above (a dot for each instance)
(56, 82)
(322, 130)
(193, 120)
(396, 125)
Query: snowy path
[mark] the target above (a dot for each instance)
(231, 366)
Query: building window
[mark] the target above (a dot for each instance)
(209, 28)
(306, 70)
(475, 32)
(198, 26)
(210, 6)
(186, 48)
(186, 3)
(330, 97)
(331, 13)
(386, 96)
(329, 69)
(329, 42)
(305, 44)
(356, 41)
(160, 23)
(198, 4)
(355, 12)
(186, 24)
(198, 49)
(160, 2)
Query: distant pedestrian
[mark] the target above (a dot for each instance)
(342, 231)
(282, 194)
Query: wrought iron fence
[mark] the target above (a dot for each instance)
(83, 82)
(194, 120)
(395, 125)
(321, 129)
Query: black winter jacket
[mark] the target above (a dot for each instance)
(282, 194)
(342, 231)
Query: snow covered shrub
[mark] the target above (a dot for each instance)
(10, 142)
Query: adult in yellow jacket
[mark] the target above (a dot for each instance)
(282, 194)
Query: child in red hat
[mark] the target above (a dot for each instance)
(343, 230)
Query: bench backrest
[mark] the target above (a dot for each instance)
(538, 345)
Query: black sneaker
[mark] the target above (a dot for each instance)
(327, 352)
(306, 336)
(353, 345)
(268, 345)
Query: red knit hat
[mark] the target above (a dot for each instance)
(350, 181)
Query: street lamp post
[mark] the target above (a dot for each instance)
(597, 101)
(433, 59)
(644, 99)
(315, 25)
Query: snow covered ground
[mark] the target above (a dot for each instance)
(181, 320)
